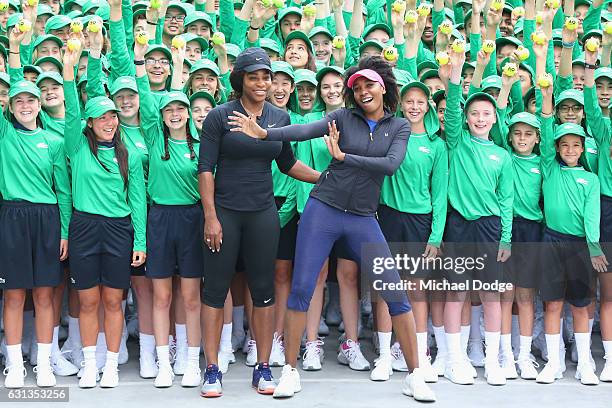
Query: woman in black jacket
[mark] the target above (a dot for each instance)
(343, 204)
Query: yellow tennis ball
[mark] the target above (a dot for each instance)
(398, 6)
(32, 3)
(592, 44)
(458, 46)
(142, 38)
(76, 26)
(446, 27)
(510, 69)
(544, 80)
(442, 58)
(538, 38)
(553, 4)
(522, 53)
(338, 42)
(94, 26)
(411, 16)
(498, 4)
(518, 11)
(155, 4)
(539, 18)
(4, 5)
(279, 4)
(390, 54)
(24, 25)
(424, 9)
(73, 44)
(218, 38)
(607, 27)
(488, 46)
(266, 3)
(571, 23)
(309, 10)
(178, 42)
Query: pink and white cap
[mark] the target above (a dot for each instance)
(365, 73)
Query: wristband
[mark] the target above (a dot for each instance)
(14, 52)
(568, 44)
(151, 23)
(139, 62)
(591, 66)
(546, 115)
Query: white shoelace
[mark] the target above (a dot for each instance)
(353, 351)
(8, 368)
(396, 352)
(313, 347)
(278, 340)
(530, 359)
(251, 346)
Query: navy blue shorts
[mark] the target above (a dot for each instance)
(605, 226)
(175, 240)
(100, 251)
(567, 272)
(476, 240)
(288, 234)
(523, 267)
(29, 245)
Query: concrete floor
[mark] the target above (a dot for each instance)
(336, 386)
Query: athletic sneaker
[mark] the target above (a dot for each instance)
(549, 374)
(251, 358)
(415, 387)
(586, 375)
(427, 371)
(494, 374)
(323, 328)
(148, 365)
(180, 360)
(606, 373)
(263, 381)
(383, 368)
(73, 353)
(399, 362)
(192, 376)
(475, 353)
(459, 372)
(277, 355)
(224, 359)
(439, 364)
(349, 353)
(212, 382)
(508, 366)
(247, 340)
(313, 356)
(44, 375)
(110, 377)
(61, 366)
(164, 377)
(89, 376)
(15, 375)
(527, 367)
(289, 383)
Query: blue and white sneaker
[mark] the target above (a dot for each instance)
(211, 387)
(262, 379)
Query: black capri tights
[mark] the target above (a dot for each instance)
(254, 234)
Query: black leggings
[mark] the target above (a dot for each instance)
(254, 235)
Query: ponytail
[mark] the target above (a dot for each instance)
(121, 153)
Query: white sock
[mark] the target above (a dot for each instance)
(226, 338)
(74, 334)
(492, 347)
(101, 343)
(453, 344)
(384, 343)
(44, 354)
(181, 335)
(465, 337)
(112, 359)
(89, 355)
(193, 355)
(607, 345)
(583, 346)
(475, 324)
(170, 339)
(14, 355)
(147, 343)
(505, 341)
(55, 342)
(552, 347)
(440, 337)
(525, 347)
(422, 346)
(238, 320)
(163, 355)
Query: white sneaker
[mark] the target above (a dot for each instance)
(586, 375)
(494, 374)
(469, 366)
(180, 362)
(277, 354)
(549, 374)
(61, 366)
(439, 364)
(606, 373)
(245, 345)
(311, 360)
(323, 328)
(225, 358)
(148, 366)
(349, 353)
(251, 358)
(475, 352)
(44, 375)
(383, 368)
(508, 366)
(288, 384)
(192, 376)
(459, 372)
(89, 376)
(73, 353)
(399, 362)
(165, 376)
(415, 387)
(527, 368)
(15, 375)
(110, 377)
(427, 371)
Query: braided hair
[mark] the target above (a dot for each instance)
(121, 153)
(190, 141)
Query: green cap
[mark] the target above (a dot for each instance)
(33, 68)
(492, 81)
(103, 12)
(205, 63)
(289, 10)
(305, 75)
(592, 33)
(23, 87)
(526, 118)
(161, 48)
(415, 84)
(438, 96)
(50, 75)
(371, 43)
(82, 80)
(53, 60)
(74, 14)
(43, 10)
(57, 23)
(192, 37)
(197, 16)
(427, 64)
(139, 5)
(430, 73)
(519, 26)
(579, 61)
(378, 26)
(123, 82)
(320, 30)
(191, 9)
(98, 106)
(569, 129)
(69, 3)
(297, 34)
(13, 19)
(430, 120)
(5, 78)
(14, 4)
(179, 6)
(174, 96)
(606, 15)
(479, 96)
(465, 3)
(47, 37)
(402, 77)
(501, 41)
(603, 72)
(284, 67)
(582, 2)
(572, 94)
(232, 50)
(269, 44)
(326, 70)
(89, 5)
(468, 64)
(205, 95)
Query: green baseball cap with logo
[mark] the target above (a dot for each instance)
(284, 67)
(123, 82)
(178, 6)
(428, 64)
(24, 87)
(98, 106)
(90, 5)
(52, 60)
(379, 26)
(603, 72)
(289, 10)
(269, 44)
(12, 21)
(161, 48)
(371, 43)
(43, 10)
(203, 95)
(305, 75)
(47, 37)
(492, 81)
(328, 69)
(297, 34)
(320, 30)
(232, 50)
(569, 129)
(526, 118)
(189, 37)
(55, 76)
(205, 63)
(69, 3)
(174, 96)
(479, 96)
(570, 94)
(57, 23)
(197, 16)
(431, 122)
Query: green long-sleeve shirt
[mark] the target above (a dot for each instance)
(480, 178)
(420, 184)
(602, 135)
(97, 190)
(571, 194)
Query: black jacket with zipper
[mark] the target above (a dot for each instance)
(353, 185)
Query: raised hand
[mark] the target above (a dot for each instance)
(247, 125)
(140, 50)
(332, 140)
